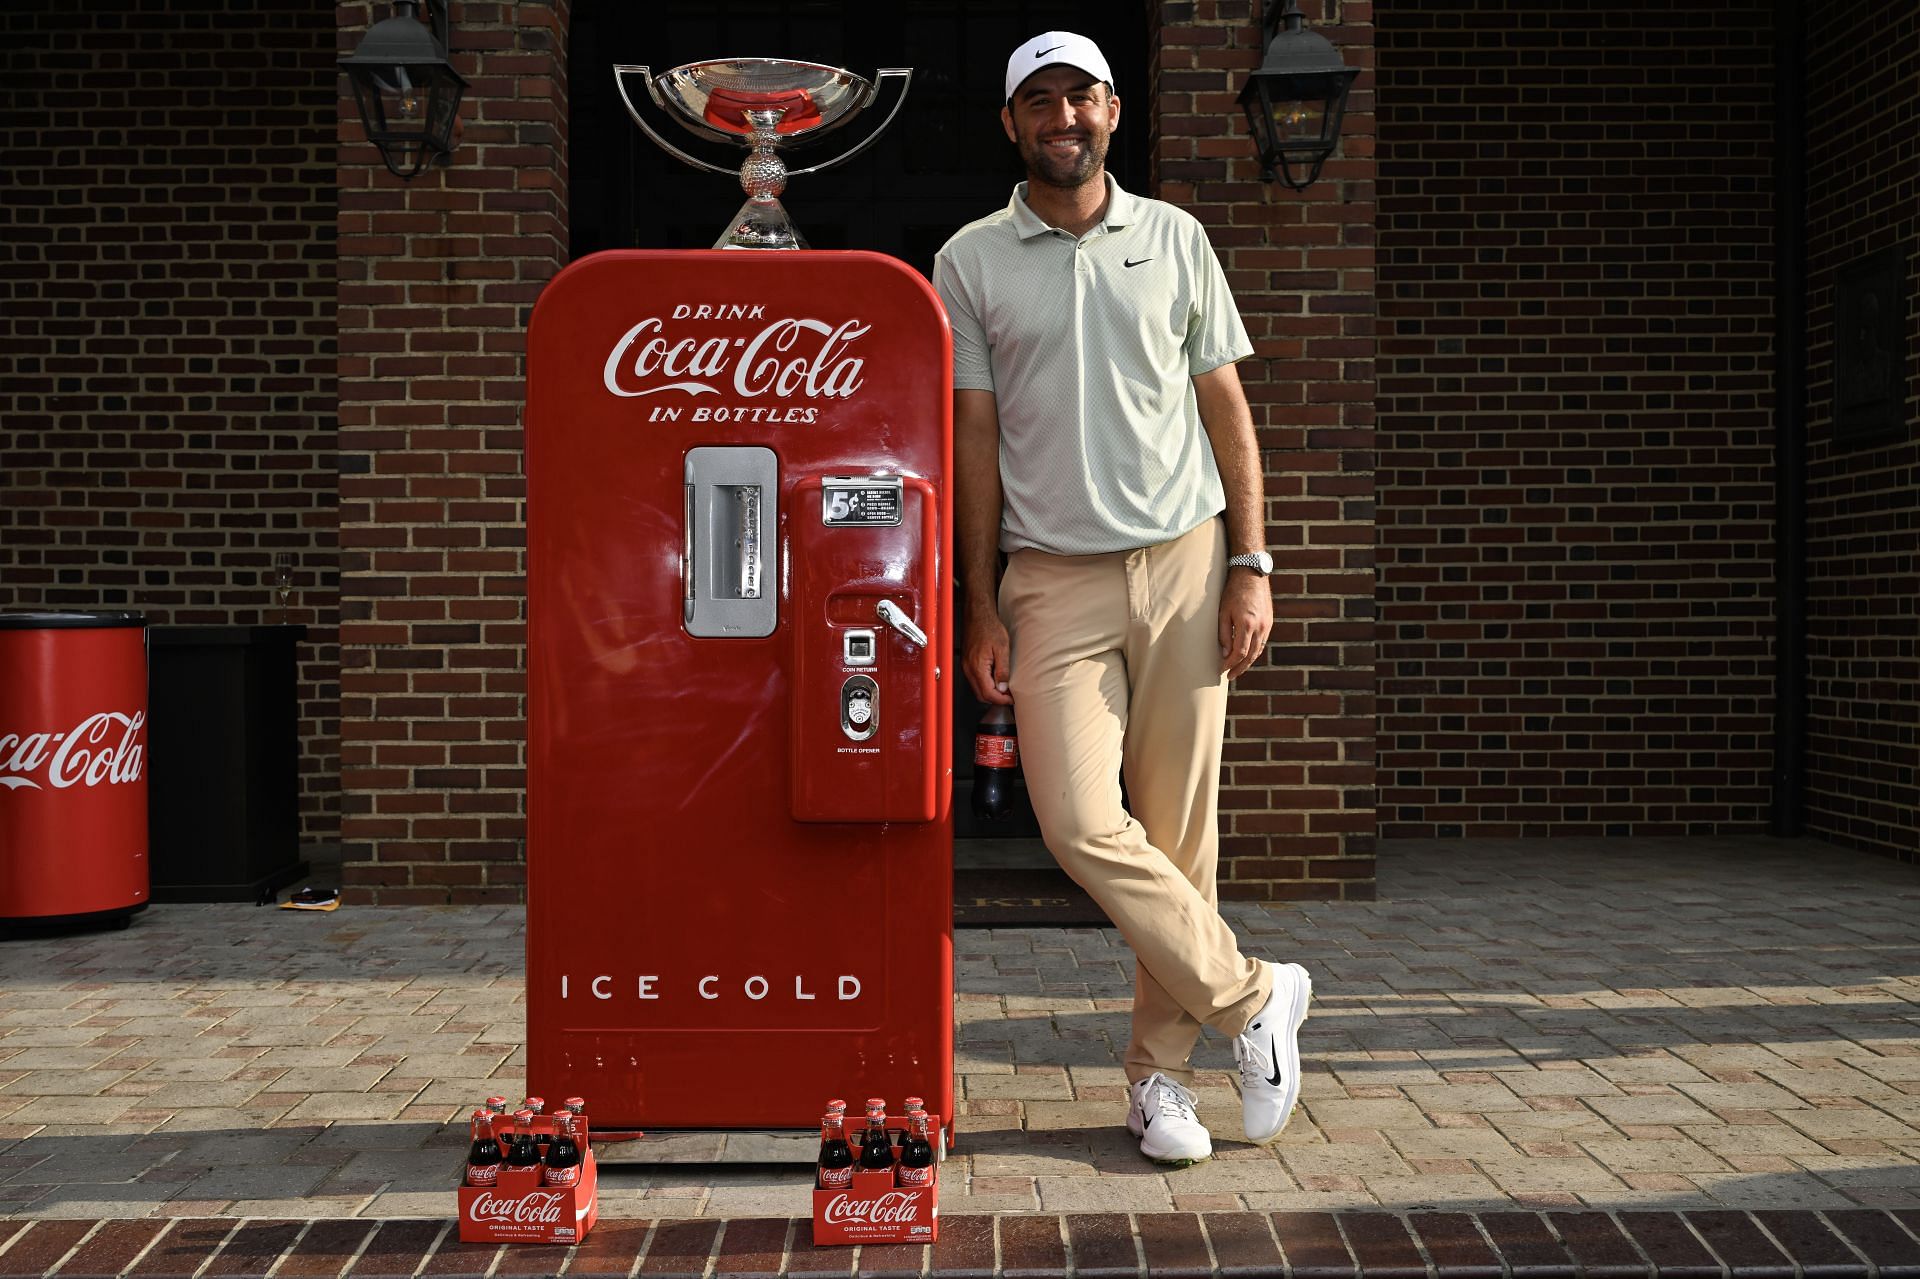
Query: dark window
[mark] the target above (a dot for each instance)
(1870, 350)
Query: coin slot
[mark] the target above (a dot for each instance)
(857, 648)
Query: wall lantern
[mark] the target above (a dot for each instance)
(409, 94)
(1295, 100)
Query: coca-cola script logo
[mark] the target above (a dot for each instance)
(788, 359)
(535, 1208)
(893, 1208)
(90, 755)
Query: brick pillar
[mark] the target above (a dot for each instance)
(1297, 797)
(437, 280)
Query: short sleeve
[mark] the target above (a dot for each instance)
(1215, 334)
(972, 369)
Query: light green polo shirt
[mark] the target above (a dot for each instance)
(1090, 347)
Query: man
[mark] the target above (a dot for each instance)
(1101, 439)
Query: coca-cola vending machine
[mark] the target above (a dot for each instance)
(739, 761)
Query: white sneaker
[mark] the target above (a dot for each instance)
(1161, 1116)
(1268, 1052)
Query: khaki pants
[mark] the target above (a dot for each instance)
(1116, 666)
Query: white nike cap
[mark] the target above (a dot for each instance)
(1053, 49)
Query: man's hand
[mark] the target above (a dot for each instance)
(988, 661)
(1246, 618)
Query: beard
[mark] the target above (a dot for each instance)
(1064, 169)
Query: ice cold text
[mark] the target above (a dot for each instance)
(843, 989)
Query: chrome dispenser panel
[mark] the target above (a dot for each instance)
(730, 586)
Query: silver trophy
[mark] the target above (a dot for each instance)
(763, 104)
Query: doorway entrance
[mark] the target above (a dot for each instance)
(943, 163)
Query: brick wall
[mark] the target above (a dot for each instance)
(1575, 395)
(1297, 794)
(437, 280)
(166, 324)
(436, 283)
(1863, 522)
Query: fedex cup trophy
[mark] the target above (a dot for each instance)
(764, 104)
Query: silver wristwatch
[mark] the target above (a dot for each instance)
(1259, 561)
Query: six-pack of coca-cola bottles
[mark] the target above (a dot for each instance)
(877, 1182)
(530, 1176)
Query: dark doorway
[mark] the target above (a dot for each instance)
(943, 163)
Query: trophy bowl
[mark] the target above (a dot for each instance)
(718, 98)
(765, 104)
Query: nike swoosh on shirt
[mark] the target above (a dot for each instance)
(1044, 52)
(1142, 260)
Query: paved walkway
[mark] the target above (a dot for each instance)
(1624, 1025)
(1857, 1243)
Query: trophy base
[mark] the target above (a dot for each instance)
(761, 224)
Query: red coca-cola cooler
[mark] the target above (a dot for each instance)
(73, 782)
(739, 763)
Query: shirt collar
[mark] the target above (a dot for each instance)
(1027, 223)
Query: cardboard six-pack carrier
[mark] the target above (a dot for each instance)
(875, 1210)
(518, 1208)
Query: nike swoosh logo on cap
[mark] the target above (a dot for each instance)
(1044, 52)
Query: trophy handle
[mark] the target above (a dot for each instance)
(622, 70)
(905, 76)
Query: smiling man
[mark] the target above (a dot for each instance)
(1102, 441)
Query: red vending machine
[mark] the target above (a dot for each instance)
(740, 765)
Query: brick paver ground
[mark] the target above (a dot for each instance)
(1537, 1028)
(1858, 1243)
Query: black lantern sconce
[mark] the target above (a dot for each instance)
(1295, 100)
(409, 94)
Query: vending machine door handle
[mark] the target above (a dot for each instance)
(896, 617)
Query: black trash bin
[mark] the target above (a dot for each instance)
(224, 763)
